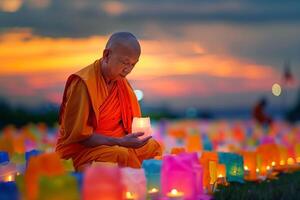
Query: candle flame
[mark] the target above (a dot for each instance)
(175, 193)
(153, 190)
(273, 163)
(246, 168)
(9, 178)
(220, 175)
(290, 161)
(129, 195)
(282, 162)
(257, 170)
(268, 167)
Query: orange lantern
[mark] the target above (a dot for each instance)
(250, 165)
(193, 142)
(209, 161)
(221, 172)
(177, 150)
(297, 153)
(269, 157)
(41, 165)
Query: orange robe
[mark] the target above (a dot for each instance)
(88, 108)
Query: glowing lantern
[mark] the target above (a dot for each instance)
(42, 165)
(193, 142)
(153, 173)
(142, 124)
(8, 172)
(177, 150)
(221, 170)
(175, 195)
(268, 154)
(103, 181)
(183, 173)
(250, 165)
(19, 144)
(153, 194)
(209, 162)
(234, 166)
(297, 153)
(58, 187)
(134, 181)
(290, 161)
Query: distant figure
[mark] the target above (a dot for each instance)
(259, 112)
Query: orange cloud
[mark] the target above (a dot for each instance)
(46, 62)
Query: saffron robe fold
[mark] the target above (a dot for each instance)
(89, 108)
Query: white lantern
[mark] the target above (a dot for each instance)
(142, 124)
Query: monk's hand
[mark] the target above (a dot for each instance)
(132, 140)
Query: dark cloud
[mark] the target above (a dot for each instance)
(74, 18)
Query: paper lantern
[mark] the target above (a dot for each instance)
(103, 182)
(153, 173)
(8, 172)
(183, 173)
(234, 166)
(193, 143)
(134, 181)
(30, 154)
(209, 162)
(19, 144)
(9, 191)
(269, 154)
(58, 188)
(4, 157)
(250, 165)
(141, 124)
(177, 150)
(221, 170)
(297, 152)
(283, 157)
(42, 165)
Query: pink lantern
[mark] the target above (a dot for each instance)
(134, 181)
(182, 173)
(103, 182)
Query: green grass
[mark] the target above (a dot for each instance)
(286, 187)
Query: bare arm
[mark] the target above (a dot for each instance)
(131, 140)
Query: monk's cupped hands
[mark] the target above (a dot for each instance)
(133, 141)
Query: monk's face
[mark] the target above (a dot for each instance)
(120, 61)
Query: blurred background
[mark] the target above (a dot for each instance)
(209, 59)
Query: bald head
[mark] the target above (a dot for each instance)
(123, 40)
(120, 55)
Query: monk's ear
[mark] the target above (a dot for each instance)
(106, 54)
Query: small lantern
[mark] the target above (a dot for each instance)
(142, 124)
(250, 165)
(234, 166)
(103, 181)
(183, 173)
(152, 169)
(58, 187)
(209, 162)
(134, 181)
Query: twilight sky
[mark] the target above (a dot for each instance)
(208, 53)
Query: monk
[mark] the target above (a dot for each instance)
(98, 107)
